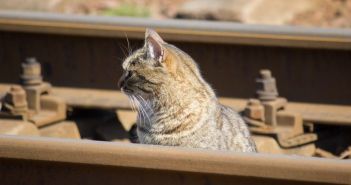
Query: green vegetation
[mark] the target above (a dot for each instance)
(128, 10)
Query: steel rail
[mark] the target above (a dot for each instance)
(277, 167)
(176, 30)
(112, 99)
(93, 98)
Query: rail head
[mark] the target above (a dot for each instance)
(176, 30)
(281, 167)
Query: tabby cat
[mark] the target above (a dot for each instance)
(176, 106)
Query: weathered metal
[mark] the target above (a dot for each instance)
(266, 86)
(45, 108)
(15, 102)
(276, 129)
(57, 161)
(79, 52)
(268, 118)
(113, 99)
(63, 129)
(18, 127)
(32, 103)
(227, 53)
(31, 72)
(190, 30)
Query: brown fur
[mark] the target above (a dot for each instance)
(176, 107)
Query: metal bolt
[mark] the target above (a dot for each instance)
(31, 72)
(265, 73)
(15, 100)
(266, 86)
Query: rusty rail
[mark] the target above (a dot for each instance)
(304, 60)
(320, 113)
(176, 30)
(90, 98)
(25, 160)
(111, 99)
(39, 159)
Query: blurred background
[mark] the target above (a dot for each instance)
(316, 13)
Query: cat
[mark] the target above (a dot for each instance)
(176, 106)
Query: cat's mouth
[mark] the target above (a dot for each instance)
(126, 90)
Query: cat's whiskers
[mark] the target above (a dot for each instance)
(124, 50)
(142, 107)
(134, 106)
(140, 112)
(128, 44)
(130, 99)
(146, 103)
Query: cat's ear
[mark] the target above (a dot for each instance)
(153, 43)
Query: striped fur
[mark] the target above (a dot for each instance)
(176, 106)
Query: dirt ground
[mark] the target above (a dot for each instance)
(331, 13)
(328, 13)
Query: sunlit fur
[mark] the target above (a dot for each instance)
(176, 107)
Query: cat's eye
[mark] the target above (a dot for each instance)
(133, 62)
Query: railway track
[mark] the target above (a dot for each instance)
(57, 161)
(311, 66)
(176, 30)
(306, 61)
(112, 100)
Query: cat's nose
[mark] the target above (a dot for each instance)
(122, 81)
(124, 78)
